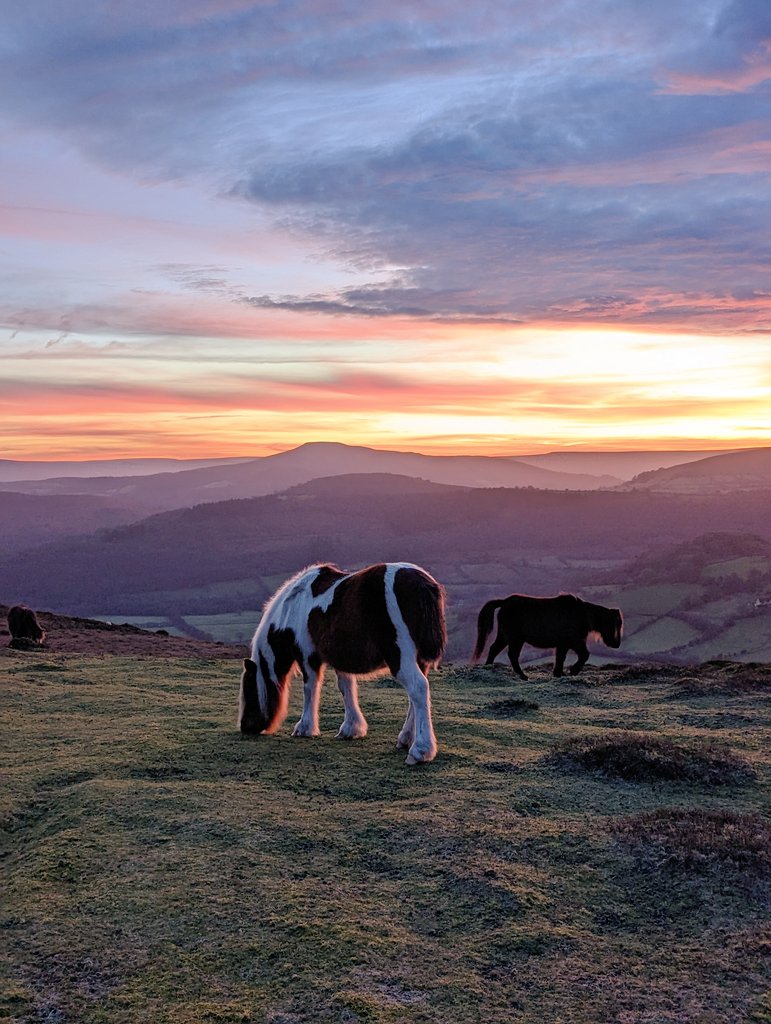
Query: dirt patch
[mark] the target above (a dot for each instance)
(71, 635)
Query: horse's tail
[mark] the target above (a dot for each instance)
(421, 602)
(484, 627)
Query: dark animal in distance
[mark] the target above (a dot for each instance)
(562, 622)
(385, 618)
(24, 628)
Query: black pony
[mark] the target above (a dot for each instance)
(562, 622)
(24, 628)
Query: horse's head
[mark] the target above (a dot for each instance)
(610, 626)
(250, 716)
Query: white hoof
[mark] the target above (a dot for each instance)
(417, 756)
(351, 733)
(305, 731)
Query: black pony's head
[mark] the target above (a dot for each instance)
(609, 623)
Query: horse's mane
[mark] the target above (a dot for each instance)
(271, 610)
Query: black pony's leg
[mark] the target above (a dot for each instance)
(515, 650)
(495, 648)
(559, 659)
(583, 656)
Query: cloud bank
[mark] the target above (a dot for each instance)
(599, 162)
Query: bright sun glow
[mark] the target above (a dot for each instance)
(439, 388)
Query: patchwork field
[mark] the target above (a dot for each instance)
(586, 850)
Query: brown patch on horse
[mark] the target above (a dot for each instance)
(355, 633)
(283, 643)
(327, 577)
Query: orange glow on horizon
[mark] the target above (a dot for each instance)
(486, 389)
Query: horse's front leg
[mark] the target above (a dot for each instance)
(559, 659)
(515, 649)
(308, 724)
(423, 746)
(354, 725)
(407, 734)
(582, 651)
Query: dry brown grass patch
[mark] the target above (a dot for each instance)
(510, 707)
(699, 840)
(725, 677)
(642, 757)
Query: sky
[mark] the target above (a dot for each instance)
(230, 227)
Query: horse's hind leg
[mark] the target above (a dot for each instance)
(423, 746)
(354, 725)
(515, 649)
(309, 720)
(495, 648)
(583, 656)
(559, 659)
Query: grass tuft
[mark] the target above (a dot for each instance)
(642, 757)
(510, 707)
(725, 677)
(699, 840)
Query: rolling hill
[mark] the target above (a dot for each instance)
(28, 520)
(747, 470)
(622, 465)
(227, 557)
(698, 600)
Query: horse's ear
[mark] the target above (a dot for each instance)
(249, 665)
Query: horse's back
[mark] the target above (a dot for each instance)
(544, 621)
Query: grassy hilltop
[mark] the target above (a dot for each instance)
(583, 850)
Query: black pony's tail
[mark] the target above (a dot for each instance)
(484, 627)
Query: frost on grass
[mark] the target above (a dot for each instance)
(700, 841)
(641, 757)
(725, 677)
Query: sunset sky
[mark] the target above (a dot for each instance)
(229, 227)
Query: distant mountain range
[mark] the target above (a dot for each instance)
(274, 473)
(271, 474)
(18, 470)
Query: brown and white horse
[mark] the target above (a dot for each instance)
(386, 618)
